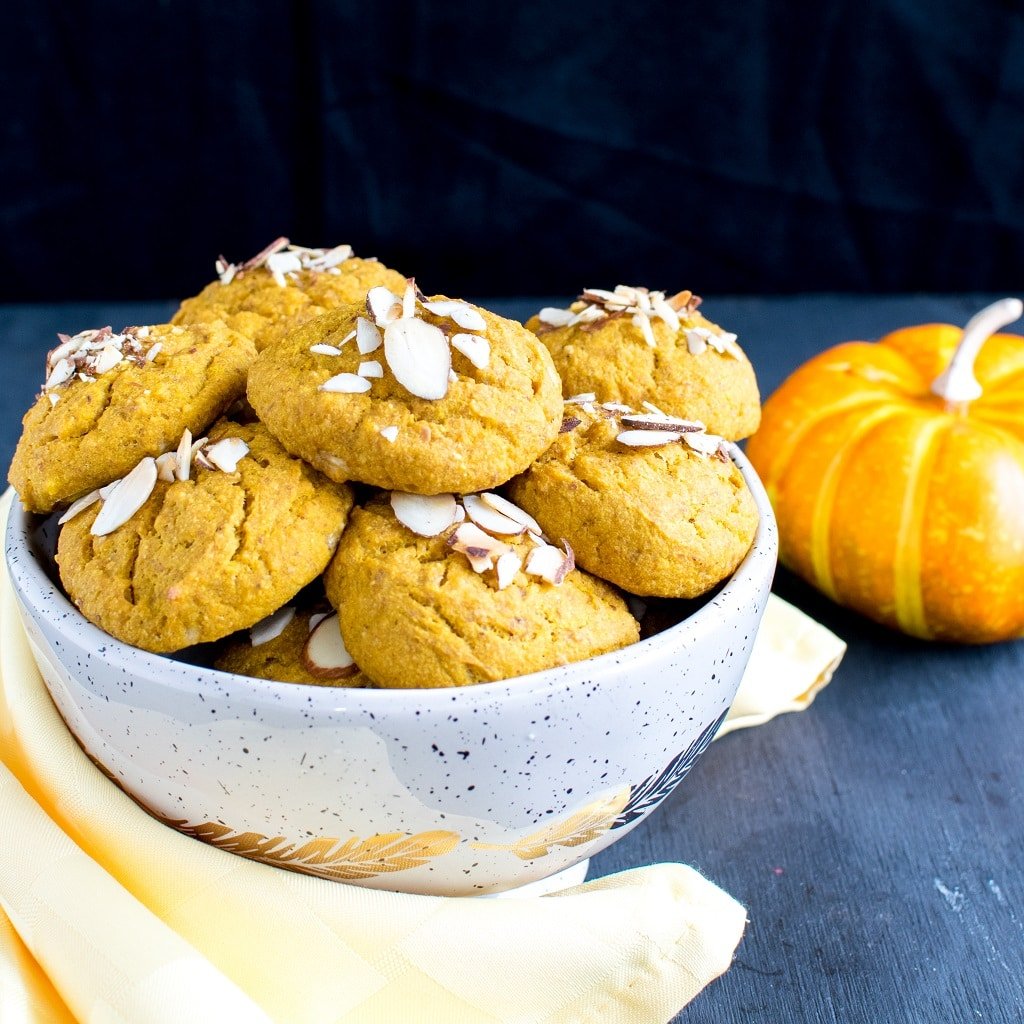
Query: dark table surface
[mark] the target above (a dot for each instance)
(876, 839)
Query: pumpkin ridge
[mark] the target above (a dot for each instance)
(984, 418)
(774, 472)
(908, 597)
(821, 516)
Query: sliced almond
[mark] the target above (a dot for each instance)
(474, 347)
(480, 548)
(588, 314)
(643, 321)
(489, 518)
(507, 566)
(330, 259)
(696, 340)
(443, 307)
(346, 384)
(54, 399)
(555, 317)
(706, 444)
(647, 438)
(600, 296)
(546, 561)
(409, 298)
(107, 490)
(419, 357)
(126, 498)
(79, 506)
(272, 626)
(62, 370)
(584, 399)
(368, 337)
(511, 510)
(63, 350)
(370, 368)
(426, 515)
(380, 302)
(183, 456)
(389, 434)
(324, 653)
(468, 317)
(725, 343)
(167, 467)
(281, 263)
(153, 351)
(666, 312)
(227, 453)
(659, 421)
(106, 359)
(325, 350)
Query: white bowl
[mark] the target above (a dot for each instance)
(450, 791)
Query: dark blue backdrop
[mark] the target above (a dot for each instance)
(516, 148)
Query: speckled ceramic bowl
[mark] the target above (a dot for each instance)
(461, 791)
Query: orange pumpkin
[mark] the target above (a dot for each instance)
(898, 478)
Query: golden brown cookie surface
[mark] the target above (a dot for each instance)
(265, 304)
(284, 657)
(696, 369)
(658, 519)
(81, 434)
(415, 613)
(206, 556)
(488, 422)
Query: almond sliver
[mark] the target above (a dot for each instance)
(419, 357)
(475, 348)
(346, 384)
(127, 497)
(325, 654)
(426, 515)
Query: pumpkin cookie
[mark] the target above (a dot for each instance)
(111, 399)
(630, 343)
(410, 394)
(202, 542)
(283, 286)
(444, 602)
(294, 646)
(650, 502)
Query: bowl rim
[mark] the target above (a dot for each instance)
(28, 577)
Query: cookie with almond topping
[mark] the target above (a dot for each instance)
(111, 399)
(286, 656)
(284, 286)
(189, 551)
(627, 344)
(409, 393)
(649, 502)
(465, 604)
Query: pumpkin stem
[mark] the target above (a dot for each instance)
(957, 383)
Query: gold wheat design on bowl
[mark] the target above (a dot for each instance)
(584, 826)
(342, 860)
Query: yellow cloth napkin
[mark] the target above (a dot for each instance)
(792, 661)
(108, 917)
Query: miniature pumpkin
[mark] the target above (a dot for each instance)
(898, 478)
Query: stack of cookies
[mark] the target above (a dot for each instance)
(343, 481)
